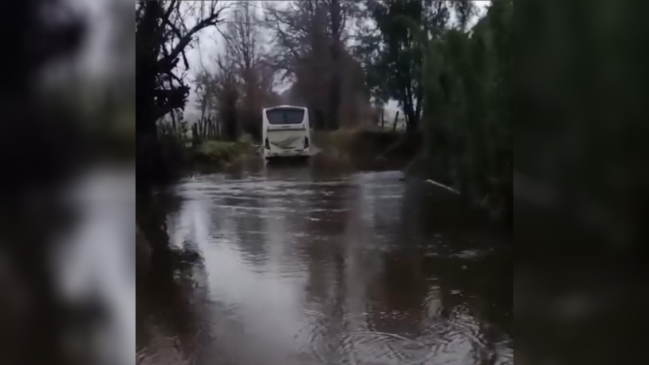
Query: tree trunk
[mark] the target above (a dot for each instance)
(334, 87)
(410, 116)
(334, 101)
(173, 121)
(145, 69)
(147, 159)
(396, 118)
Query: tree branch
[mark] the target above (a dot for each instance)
(184, 40)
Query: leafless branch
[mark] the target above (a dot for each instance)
(211, 18)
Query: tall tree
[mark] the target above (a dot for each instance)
(337, 15)
(468, 83)
(393, 62)
(227, 97)
(398, 61)
(205, 91)
(244, 44)
(310, 37)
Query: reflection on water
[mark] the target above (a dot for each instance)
(284, 267)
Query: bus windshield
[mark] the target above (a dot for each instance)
(285, 116)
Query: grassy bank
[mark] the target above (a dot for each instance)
(213, 155)
(366, 148)
(182, 156)
(220, 153)
(376, 149)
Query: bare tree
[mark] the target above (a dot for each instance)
(310, 37)
(205, 90)
(206, 87)
(163, 34)
(255, 76)
(227, 97)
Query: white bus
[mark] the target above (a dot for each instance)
(285, 131)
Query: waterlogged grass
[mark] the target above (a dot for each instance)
(221, 153)
(216, 152)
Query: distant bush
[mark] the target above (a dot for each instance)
(215, 152)
(366, 147)
(333, 143)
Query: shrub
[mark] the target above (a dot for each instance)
(215, 152)
(219, 153)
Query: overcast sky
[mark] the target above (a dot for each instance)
(96, 58)
(210, 43)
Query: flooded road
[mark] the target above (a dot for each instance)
(286, 266)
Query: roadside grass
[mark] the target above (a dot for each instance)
(216, 154)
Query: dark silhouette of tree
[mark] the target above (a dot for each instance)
(206, 93)
(227, 96)
(392, 60)
(468, 84)
(162, 36)
(245, 48)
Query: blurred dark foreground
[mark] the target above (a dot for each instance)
(581, 182)
(66, 213)
(580, 154)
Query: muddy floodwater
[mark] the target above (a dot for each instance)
(288, 266)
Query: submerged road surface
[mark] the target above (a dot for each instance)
(286, 267)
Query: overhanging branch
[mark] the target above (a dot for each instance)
(183, 40)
